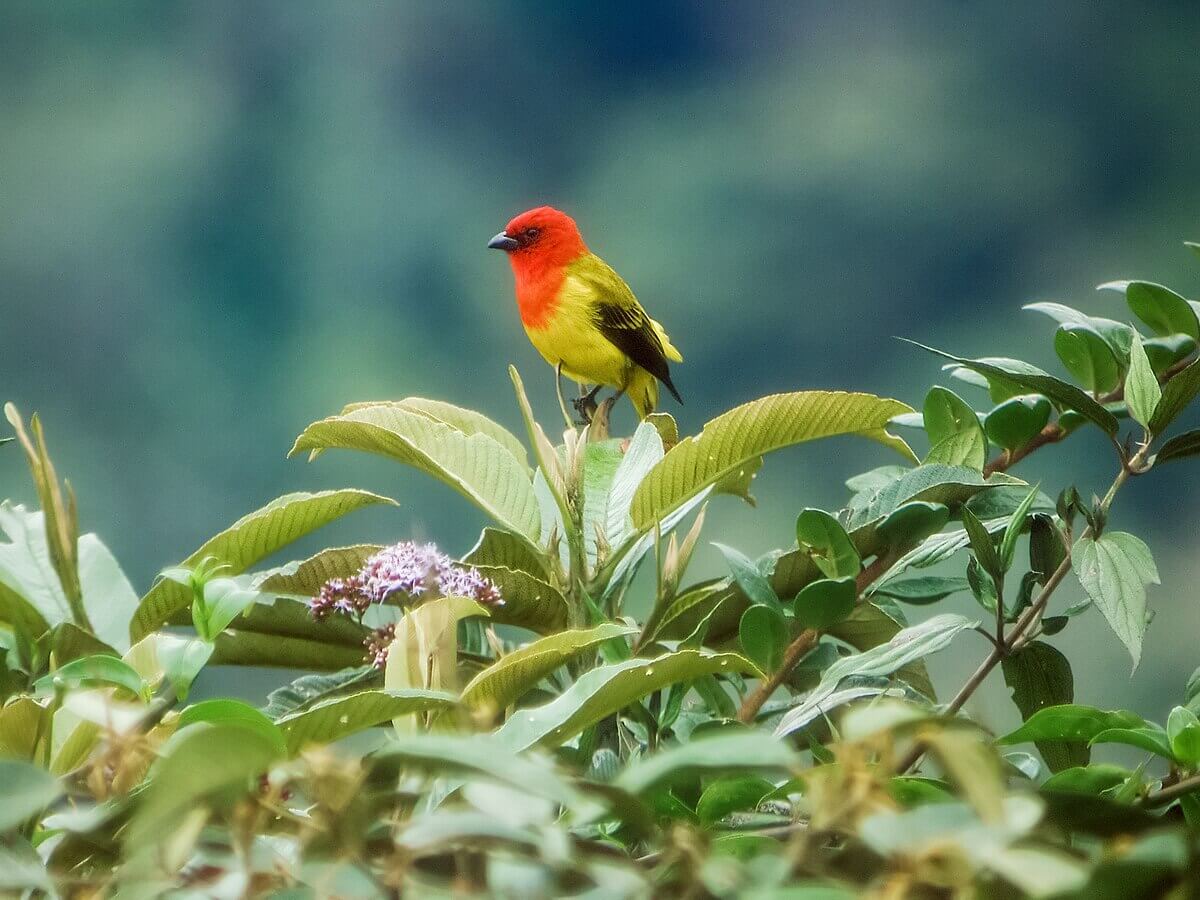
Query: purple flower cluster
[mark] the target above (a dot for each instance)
(403, 571)
(377, 644)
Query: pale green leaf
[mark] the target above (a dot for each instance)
(732, 440)
(467, 421)
(504, 549)
(249, 540)
(1088, 357)
(601, 460)
(1114, 570)
(1159, 307)
(528, 601)
(1176, 395)
(504, 681)
(304, 578)
(719, 754)
(25, 790)
(607, 689)
(336, 718)
(1142, 391)
(643, 454)
(956, 436)
(476, 465)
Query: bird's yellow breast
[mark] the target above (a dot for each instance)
(571, 337)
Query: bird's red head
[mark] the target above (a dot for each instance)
(540, 239)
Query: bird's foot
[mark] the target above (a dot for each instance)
(586, 405)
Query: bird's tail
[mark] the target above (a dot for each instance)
(643, 392)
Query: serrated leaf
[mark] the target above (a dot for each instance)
(475, 465)
(732, 440)
(1159, 307)
(508, 678)
(1040, 676)
(956, 437)
(1114, 570)
(247, 541)
(1142, 391)
(304, 578)
(906, 647)
(1034, 380)
(330, 720)
(607, 689)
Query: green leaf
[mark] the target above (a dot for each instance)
(824, 539)
(730, 794)
(248, 540)
(1116, 334)
(19, 613)
(643, 454)
(1114, 570)
(923, 589)
(909, 524)
(1034, 380)
(330, 720)
(1159, 307)
(236, 647)
(25, 790)
(607, 689)
(1016, 524)
(1142, 391)
(1070, 723)
(1088, 357)
(499, 548)
(508, 678)
(763, 634)
(1176, 395)
(1164, 352)
(224, 711)
(956, 437)
(308, 690)
(734, 439)
(1149, 737)
(601, 459)
(1040, 676)
(906, 647)
(305, 578)
(528, 601)
(476, 465)
(933, 483)
(750, 579)
(1179, 447)
(724, 753)
(202, 762)
(825, 602)
(465, 420)
(982, 545)
(1047, 548)
(182, 660)
(224, 599)
(1017, 421)
(93, 671)
(1183, 731)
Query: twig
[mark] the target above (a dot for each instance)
(1173, 792)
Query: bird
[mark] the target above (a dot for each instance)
(581, 316)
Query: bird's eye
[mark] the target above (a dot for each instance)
(532, 233)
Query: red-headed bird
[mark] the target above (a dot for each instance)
(581, 315)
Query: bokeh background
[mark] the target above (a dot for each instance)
(221, 220)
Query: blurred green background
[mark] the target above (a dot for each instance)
(222, 220)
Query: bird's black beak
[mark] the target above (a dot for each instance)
(502, 242)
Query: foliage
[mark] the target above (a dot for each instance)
(534, 718)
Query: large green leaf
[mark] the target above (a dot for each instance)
(933, 483)
(1159, 307)
(247, 541)
(476, 465)
(906, 647)
(467, 421)
(1116, 334)
(1040, 676)
(601, 460)
(497, 547)
(1070, 723)
(1114, 569)
(1180, 447)
(528, 601)
(309, 690)
(735, 751)
(733, 439)
(31, 593)
(25, 790)
(1034, 380)
(643, 454)
(504, 681)
(607, 689)
(305, 578)
(1088, 357)
(338, 717)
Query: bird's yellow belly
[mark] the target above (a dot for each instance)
(585, 355)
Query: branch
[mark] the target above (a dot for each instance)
(1173, 792)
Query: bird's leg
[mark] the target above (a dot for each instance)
(586, 404)
(562, 404)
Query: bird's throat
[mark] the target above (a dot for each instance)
(537, 288)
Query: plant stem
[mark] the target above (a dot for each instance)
(1032, 613)
(1173, 792)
